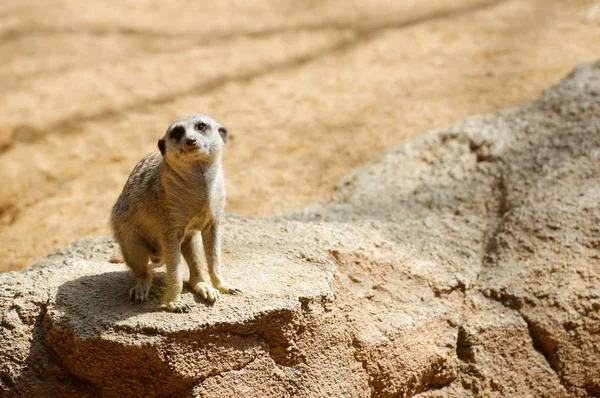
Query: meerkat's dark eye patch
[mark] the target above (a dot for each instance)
(223, 133)
(201, 126)
(177, 132)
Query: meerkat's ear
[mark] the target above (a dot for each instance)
(162, 146)
(223, 133)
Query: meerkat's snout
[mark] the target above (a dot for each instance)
(193, 144)
(190, 142)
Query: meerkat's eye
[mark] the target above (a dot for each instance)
(200, 126)
(177, 132)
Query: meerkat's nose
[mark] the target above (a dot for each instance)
(190, 141)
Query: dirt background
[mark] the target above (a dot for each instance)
(308, 90)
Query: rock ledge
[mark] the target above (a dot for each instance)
(463, 263)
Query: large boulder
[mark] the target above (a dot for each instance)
(464, 263)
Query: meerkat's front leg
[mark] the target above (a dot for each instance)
(136, 257)
(191, 249)
(211, 238)
(174, 278)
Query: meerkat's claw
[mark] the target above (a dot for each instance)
(183, 308)
(139, 293)
(226, 288)
(207, 291)
(177, 306)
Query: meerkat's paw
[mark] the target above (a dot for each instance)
(139, 293)
(226, 288)
(177, 306)
(206, 291)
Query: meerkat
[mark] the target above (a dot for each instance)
(173, 204)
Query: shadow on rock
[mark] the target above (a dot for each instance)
(102, 299)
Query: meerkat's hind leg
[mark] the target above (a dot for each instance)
(136, 257)
(192, 252)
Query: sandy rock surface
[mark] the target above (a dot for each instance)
(308, 89)
(465, 263)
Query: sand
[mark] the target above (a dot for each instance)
(309, 90)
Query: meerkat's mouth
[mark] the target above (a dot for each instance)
(195, 149)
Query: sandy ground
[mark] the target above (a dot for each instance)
(308, 90)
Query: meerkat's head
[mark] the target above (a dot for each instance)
(193, 138)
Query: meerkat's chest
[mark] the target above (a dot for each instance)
(195, 199)
(201, 213)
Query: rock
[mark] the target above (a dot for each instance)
(464, 263)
